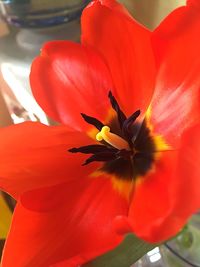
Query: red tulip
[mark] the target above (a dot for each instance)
(130, 162)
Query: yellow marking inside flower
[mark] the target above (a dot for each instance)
(160, 143)
(148, 118)
(159, 140)
(123, 187)
(112, 139)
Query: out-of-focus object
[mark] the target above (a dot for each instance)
(17, 113)
(151, 12)
(6, 208)
(152, 259)
(183, 251)
(39, 21)
(5, 118)
(41, 13)
(5, 218)
(3, 28)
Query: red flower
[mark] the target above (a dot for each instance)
(144, 174)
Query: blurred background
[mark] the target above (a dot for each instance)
(24, 26)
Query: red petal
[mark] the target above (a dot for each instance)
(178, 35)
(154, 199)
(160, 208)
(165, 199)
(176, 103)
(68, 79)
(70, 223)
(34, 155)
(194, 3)
(125, 46)
(189, 171)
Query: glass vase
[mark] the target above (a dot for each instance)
(184, 250)
(40, 13)
(181, 251)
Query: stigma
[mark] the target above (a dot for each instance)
(112, 139)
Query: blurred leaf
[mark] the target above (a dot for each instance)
(127, 253)
(5, 217)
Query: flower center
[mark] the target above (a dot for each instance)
(126, 147)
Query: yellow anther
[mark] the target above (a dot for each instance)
(102, 134)
(112, 139)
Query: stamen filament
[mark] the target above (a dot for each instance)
(112, 139)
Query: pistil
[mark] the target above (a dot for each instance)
(112, 139)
